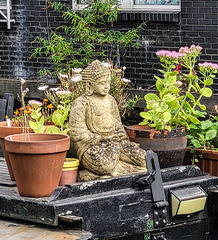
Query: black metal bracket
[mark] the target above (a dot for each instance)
(144, 182)
(159, 200)
(158, 236)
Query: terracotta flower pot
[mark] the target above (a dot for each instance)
(5, 131)
(208, 160)
(169, 146)
(37, 163)
(69, 171)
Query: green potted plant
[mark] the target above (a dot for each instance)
(202, 147)
(16, 126)
(176, 104)
(36, 159)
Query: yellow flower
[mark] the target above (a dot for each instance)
(50, 106)
(28, 108)
(16, 112)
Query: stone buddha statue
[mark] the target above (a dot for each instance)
(101, 142)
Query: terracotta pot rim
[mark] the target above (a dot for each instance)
(202, 150)
(41, 143)
(148, 129)
(206, 150)
(4, 125)
(60, 137)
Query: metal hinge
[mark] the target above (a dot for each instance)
(158, 195)
(154, 180)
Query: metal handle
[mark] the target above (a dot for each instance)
(159, 237)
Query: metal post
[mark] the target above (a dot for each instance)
(10, 104)
(3, 104)
(8, 15)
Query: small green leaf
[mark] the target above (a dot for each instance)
(159, 86)
(168, 98)
(159, 79)
(166, 117)
(35, 115)
(174, 104)
(196, 143)
(193, 119)
(193, 126)
(145, 115)
(57, 119)
(205, 124)
(194, 88)
(53, 129)
(198, 87)
(162, 108)
(171, 80)
(151, 96)
(65, 116)
(190, 96)
(33, 125)
(200, 114)
(41, 121)
(173, 73)
(211, 134)
(188, 106)
(208, 81)
(203, 107)
(206, 92)
(41, 129)
(145, 122)
(66, 131)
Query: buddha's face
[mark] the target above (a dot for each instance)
(102, 85)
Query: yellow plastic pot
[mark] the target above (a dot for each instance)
(69, 171)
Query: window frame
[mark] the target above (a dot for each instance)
(128, 5)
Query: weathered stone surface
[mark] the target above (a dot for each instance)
(101, 142)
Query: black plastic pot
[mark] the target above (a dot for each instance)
(169, 146)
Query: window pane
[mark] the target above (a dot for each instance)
(83, 1)
(156, 2)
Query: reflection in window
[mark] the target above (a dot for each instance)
(157, 2)
(138, 5)
(83, 1)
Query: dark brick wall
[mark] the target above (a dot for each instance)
(196, 24)
(31, 20)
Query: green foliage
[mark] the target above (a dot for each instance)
(37, 124)
(85, 36)
(179, 92)
(60, 119)
(118, 89)
(204, 134)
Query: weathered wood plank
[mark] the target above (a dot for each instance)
(17, 230)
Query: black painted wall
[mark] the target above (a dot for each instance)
(196, 24)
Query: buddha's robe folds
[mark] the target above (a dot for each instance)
(101, 142)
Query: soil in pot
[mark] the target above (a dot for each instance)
(37, 163)
(170, 146)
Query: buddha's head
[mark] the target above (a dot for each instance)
(96, 78)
